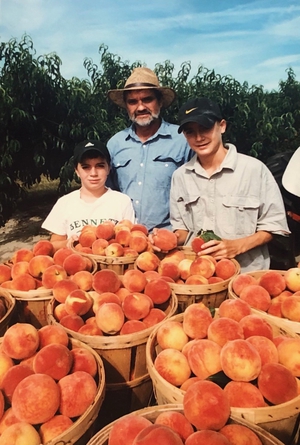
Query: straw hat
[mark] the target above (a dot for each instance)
(291, 178)
(140, 79)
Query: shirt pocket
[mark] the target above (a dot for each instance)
(164, 167)
(122, 168)
(188, 209)
(239, 215)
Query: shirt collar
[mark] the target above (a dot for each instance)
(163, 131)
(229, 161)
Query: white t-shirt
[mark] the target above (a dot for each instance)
(70, 213)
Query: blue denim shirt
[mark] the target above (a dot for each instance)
(143, 170)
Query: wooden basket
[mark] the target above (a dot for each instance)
(151, 413)
(10, 304)
(280, 420)
(212, 295)
(284, 322)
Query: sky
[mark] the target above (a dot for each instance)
(252, 41)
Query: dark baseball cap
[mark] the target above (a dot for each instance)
(201, 110)
(90, 145)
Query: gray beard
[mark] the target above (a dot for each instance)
(144, 122)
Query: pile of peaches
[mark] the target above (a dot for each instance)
(255, 365)
(40, 372)
(273, 292)
(200, 421)
(112, 304)
(41, 267)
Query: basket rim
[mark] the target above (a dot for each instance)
(103, 259)
(12, 303)
(30, 294)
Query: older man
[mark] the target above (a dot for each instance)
(145, 155)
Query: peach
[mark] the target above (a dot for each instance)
(147, 261)
(170, 334)
(83, 279)
(189, 382)
(206, 406)
(12, 377)
(273, 282)
(139, 227)
(23, 282)
(196, 319)
(127, 426)
(158, 290)
(61, 254)
(240, 434)
(177, 422)
(279, 338)
(52, 275)
(207, 437)
(132, 326)
(196, 280)
(110, 318)
(151, 275)
(265, 347)
(221, 330)
(59, 311)
(169, 269)
(234, 309)
(78, 302)
(99, 246)
(74, 263)
(105, 231)
(36, 399)
(20, 433)
(62, 288)
(43, 247)
(52, 333)
(136, 306)
(114, 249)
(277, 383)
(175, 256)
(244, 395)
(123, 237)
(256, 296)
(289, 355)
(105, 297)
(90, 329)
(87, 237)
(38, 264)
(155, 316)
(106, 280)
(16, 269)
(204, 358)
(134, 280)
(157, 434)
(5, 272)
(240, 360)
(54, 427)
(214, 280)
(7, 420)
(6, 363)
(120, 227)
(292, 279)
(254, 325)
(241, 281)
(125, 222)
(128, 252)
(22, 255)
(21, 340)
(7, 284)
(83, 360)
(290, 308)
(197, 243)
(137, 242)
(225, 269)
(82, 384)
(167, 279)
(164, 239)
(172, 365)
(184, 267)
(54, 360)
(72, 322)
(275, 307)
(202, 266)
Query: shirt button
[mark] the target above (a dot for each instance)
(166, 165)
(137, 202)
(139, 183)
(142, 165)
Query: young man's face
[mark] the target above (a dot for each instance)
(93, 172)
(204, 141)
(142, 106)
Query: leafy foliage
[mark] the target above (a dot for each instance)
(43, 115)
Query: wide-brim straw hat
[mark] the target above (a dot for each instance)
(140, 79)
(291, 178)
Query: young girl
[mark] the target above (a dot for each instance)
(93, 203)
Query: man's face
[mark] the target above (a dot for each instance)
(142, 107)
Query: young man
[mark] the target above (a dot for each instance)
(145, 155)
(93, 203)
(219, 189)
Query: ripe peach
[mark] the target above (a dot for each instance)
(128, 252)
(244, 395)
(177, 422)
(254, 325)
(52, 275)
(256, 296)
(273, 282)
(151, 275)
(74, 263)
(289, 354)
(36, 399)
(155, 316)
(136, 306)
(290, 308)
(90, 329)
(172, 365)
(105, 231)
(189, 382)
(127, 426)
(175, 256)
(265, 347)
(158, 290)
(22, 255)
(225, 269)
(114, 249)
(277, 383)
(214, 280)
(184, 267)
(23, 282)
(204, 358)
(43, 247)
(138, 242)
(110, 318)
(171, 335)
(99, 246)
(208, 437)
(164, 239)
(21, 340)
(240, 434)
(240, 360)
(134, 280)
(83, 360)
(157, 434)
(234, 309)
(275, 307)
(54, 427)
(54, 360)
(61, 254)
(20, 433)
(62, 288)
(169, 269)
(196, 319)
(7, 420)
(221, 330)
(12, 377)
(106, 280)
(241, 281)
(132, 326)
(147, 261)
(87, 237)
(16, 269)
(292, 279)
(59, 311)
(80, 383)
(52, 333)
(122, 237)
(5, 272)
(202, 266)
(78, 302)
(196, 279)
(72, 322)
(38, 264)
(6, 363)
(83, 279)
(206, 406)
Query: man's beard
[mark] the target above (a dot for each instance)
(144, 122)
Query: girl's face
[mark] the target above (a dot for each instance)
(93, 173)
